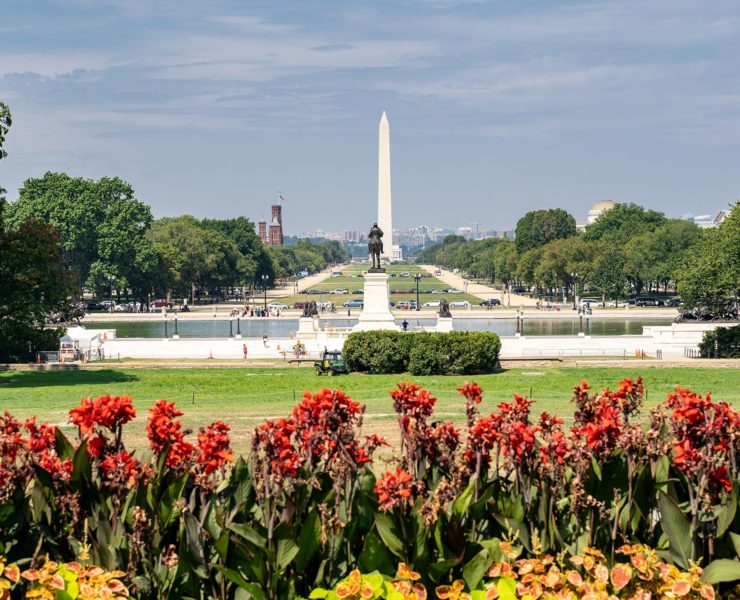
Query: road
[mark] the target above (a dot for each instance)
(479, 290)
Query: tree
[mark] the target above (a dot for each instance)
(623, 222)
(562, 257)
(608, 276)
(5, 123)
(538, 227)
(99, 222)
(711, 279)
(505, 260)
(33, 281)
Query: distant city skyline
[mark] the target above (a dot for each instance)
(496, 108)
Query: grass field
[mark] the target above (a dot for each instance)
(244, 397)
(396, 282)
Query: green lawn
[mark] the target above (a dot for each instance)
(243, 397)
(401, 288)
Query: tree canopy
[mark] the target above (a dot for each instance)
(624, 221)
(538, 227)
(711, 276)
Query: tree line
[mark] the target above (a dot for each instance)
(627, 250)
(65, 235)
(110, 241)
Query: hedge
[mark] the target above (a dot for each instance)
(727, 340)
(453, 353)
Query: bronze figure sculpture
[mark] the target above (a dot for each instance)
(375, 247)
(444, 309)
(310, 309)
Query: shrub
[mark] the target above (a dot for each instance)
(377, 352)
(727, 340)
(453, 353)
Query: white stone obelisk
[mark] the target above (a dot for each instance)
(385, 220)
(376, 312)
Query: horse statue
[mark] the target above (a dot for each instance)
(444, 309)
(375, 246)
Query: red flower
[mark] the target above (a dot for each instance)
(122, 467)
(110, 412)
(412, 400)
(214, 445)
(273, 447)
(472, 392)
(395, 489)
(83, 416)
(164, 431)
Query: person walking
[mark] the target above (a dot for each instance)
(244, 350)
(405, 325)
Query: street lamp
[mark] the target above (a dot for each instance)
(417, 277)
(265, 278)
(574, 277)
(111, 281)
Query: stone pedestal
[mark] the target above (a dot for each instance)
(376, 312)
(444, 325)
(307, 327)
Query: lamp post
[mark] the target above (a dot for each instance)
(111, 281)
(574, 278)
(265, 278)
(418, 278)
(177, 333)
(165, 328)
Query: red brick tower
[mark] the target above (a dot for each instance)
(276, 226)
(262, 229)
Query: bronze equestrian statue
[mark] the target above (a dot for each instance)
(310, 309)
(375, 247)
(444, 309)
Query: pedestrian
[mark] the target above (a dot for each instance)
(349, 312)
(244, 350)
(405, 325)
(264, 340)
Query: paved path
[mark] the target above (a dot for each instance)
(478, 289)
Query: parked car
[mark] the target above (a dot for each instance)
(340, 291)
(406, 304)
(108, 303)
(431, 304)
(354, 303)
(94, 306)
(647, 301)
(491, 302)
(160, 303)
(439, 291)
(454, 291)
(460, 304)
(299, 305)
(591, 302)
(358, 291)
(438, 272)
(277, 306)
(675, 301)
(405, 274)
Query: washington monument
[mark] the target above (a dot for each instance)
(385, 221)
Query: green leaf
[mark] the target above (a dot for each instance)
(384, 524)
(735, 539)
(460, 506)
(596, 468)
(286, 551)
(250, 591)
(249, 534)
(721, 570)
(309, 540)
(726, 514)
(475, 569)
(318, 593)
(64, 448)
(375, 555)
(678, 529)
(506, 588)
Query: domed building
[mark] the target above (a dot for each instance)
(596, 210)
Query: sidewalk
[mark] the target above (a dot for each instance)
(479, 290)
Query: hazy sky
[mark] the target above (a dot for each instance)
(496, 108)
